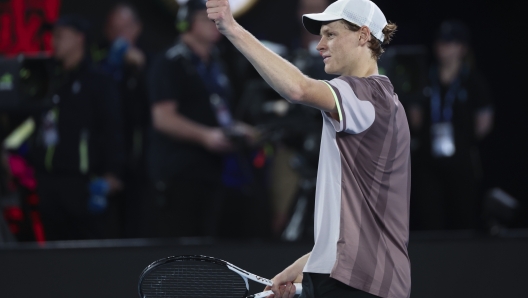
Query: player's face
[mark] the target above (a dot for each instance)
(204, 29)
(66, 41)
(338, 47)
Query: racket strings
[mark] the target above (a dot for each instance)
(192, 279)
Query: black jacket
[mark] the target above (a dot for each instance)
(89, 126)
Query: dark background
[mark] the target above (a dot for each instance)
(497, 40)
(450, 267)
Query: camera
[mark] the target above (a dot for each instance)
(25, 83)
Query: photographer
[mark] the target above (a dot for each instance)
(78, 150)
(191, 95)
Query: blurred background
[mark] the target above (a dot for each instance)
(132, 131)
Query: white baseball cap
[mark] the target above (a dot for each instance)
(358, 12)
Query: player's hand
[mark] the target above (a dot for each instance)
(216, 141)
(284, 291)
(283, 286)
(220, 12)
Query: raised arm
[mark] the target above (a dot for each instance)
(281, 75)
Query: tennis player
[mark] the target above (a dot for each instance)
(363, 180)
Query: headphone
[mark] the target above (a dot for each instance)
(186, 12)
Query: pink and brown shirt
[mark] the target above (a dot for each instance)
(363, 190)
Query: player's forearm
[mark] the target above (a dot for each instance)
(281, 75)
(295, 270)
(301, 262)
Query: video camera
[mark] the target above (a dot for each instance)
(25, 84)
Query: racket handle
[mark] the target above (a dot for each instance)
(298, 290)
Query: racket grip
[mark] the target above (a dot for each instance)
(298, 290)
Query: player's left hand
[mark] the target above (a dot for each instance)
(220, 12)
(283, 291)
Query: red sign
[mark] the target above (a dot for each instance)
(22, 26)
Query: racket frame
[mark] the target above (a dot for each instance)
(199, 258)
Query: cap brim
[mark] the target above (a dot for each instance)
(313, 21)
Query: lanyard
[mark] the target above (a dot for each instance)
(234, 173)
(445, 113)
(212, 79)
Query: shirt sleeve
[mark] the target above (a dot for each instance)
(162, 80)
(355, 115)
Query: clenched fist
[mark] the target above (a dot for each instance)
(220, 12)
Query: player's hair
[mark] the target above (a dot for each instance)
(375, 45)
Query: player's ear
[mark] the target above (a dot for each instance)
(364, 35)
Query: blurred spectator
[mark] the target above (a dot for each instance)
(77, 152)
(120, 52)
(455, 116)
(191, 95)
(120, 56)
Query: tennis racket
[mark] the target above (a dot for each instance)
(198, 276)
